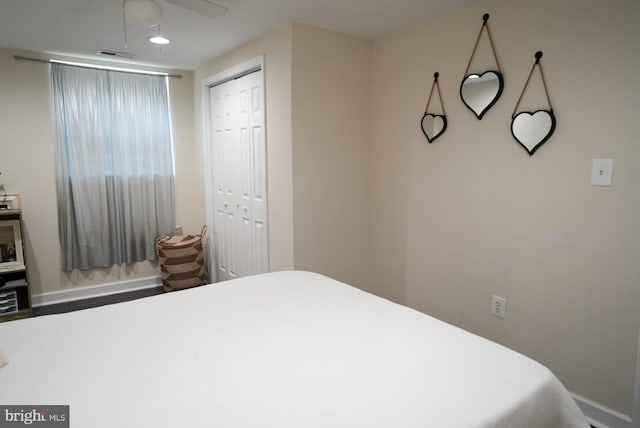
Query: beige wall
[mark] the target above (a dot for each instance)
(331, 98)
(27, 166)
(472, 214)
(276, 48)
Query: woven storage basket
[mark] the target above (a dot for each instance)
(181, 260)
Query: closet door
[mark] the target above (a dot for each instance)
(238, 173)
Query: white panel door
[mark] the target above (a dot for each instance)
(238, 163)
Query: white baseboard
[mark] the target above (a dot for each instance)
(95, 291)
(601, 416)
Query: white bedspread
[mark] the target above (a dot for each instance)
(285, 350)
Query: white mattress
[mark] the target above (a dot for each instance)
(287, 349)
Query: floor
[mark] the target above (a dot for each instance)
(75, 305)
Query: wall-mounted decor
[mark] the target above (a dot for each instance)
(532, 129)
(480, 91)
(433, 125)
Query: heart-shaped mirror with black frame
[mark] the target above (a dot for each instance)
(480, 91)
(532, 129)
(433, 125)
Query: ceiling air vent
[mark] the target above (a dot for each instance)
(116, 53)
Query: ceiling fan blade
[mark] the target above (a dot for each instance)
(203, 7)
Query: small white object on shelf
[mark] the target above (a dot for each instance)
(9, 202)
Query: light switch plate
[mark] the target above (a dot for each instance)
(498, 306)
(601, 172)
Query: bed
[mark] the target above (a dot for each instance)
(284, 349)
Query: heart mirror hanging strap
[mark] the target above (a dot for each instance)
(485, 26)
(433, 125)
(532, 129)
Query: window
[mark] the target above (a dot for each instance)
(114, 165)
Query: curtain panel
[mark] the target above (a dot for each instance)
(114, 165)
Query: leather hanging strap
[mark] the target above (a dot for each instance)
(544, 84)
(435, 85)
(485, 26)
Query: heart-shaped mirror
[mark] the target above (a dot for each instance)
(433, 125)
(480, 92)
(532, 130)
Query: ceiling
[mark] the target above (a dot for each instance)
(82, 27)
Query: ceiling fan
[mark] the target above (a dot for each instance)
(203, 7)
(147, 13)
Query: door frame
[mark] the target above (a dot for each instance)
(236, 71)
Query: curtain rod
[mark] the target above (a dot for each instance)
(48, 61)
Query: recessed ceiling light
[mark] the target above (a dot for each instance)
(159, 40)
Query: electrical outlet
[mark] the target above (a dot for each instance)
(498, 306)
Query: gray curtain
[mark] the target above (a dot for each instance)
(114, 165)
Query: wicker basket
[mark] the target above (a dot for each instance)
(181, 260)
